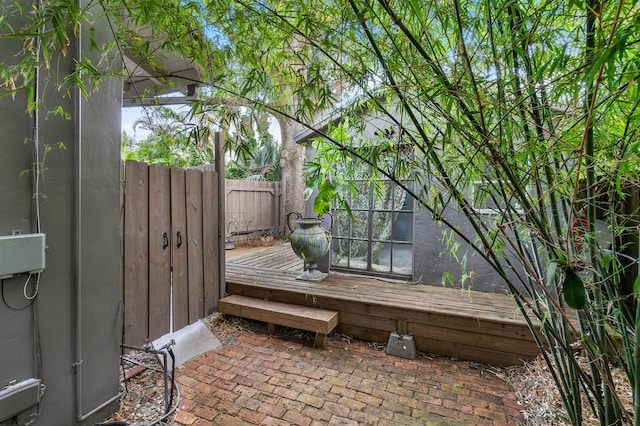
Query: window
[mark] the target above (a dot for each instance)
(379, 239)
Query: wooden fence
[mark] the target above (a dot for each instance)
(253, 208)
(171, 248)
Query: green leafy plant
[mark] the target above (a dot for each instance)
(323, 202)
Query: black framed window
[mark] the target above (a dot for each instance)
(379, 238)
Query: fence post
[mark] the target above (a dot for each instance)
(211, 245)
(219, 163)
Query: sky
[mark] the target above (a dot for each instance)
(129, 116)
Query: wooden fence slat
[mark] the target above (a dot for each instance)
(136, 254)
(252, 208)
(283, 214)
(180, 289)
(278, 208)
(159, 251)
(211, 251)
(195, 281)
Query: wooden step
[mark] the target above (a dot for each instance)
(319, 321)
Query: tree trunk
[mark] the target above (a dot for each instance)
(291, 162)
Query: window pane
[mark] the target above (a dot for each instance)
(358, 255)
(360, 224)
(390, 197)
(384, 196)
(389, 257)
(341, 223)
(381, 257)
(402, 227)
(402, 259)
(381, 226)
(340, 252)
(360, 200)
(379, 239)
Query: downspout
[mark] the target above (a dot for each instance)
(81, 416)
(77, 106)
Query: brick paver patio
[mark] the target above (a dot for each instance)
(261, 380)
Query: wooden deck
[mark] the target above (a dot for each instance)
(482, 327)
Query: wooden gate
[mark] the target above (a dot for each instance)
(172, 272)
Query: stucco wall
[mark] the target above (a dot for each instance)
(432, 257)
(79, 212)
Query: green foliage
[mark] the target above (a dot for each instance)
(573, 289)
(323, 201)
(172, 141)
(183, 138)
(253, 153)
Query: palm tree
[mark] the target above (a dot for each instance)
(257, 156)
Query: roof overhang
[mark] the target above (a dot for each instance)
(331, 118)
(164, 79)
(316, 130)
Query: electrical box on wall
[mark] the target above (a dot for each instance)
(21, 253)
(17, 397)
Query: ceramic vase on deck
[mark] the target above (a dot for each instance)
(310, 242)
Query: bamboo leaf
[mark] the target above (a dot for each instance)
(573, 290)
(552, 270)
(447, 279)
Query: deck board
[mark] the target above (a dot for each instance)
(484, 327)
(280, 257)
(419, 297)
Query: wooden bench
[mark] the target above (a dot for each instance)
(319, 321)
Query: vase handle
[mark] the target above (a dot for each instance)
(330, 230)
(298, 216)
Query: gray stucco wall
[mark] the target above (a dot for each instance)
(432, 258)
(80, 215)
